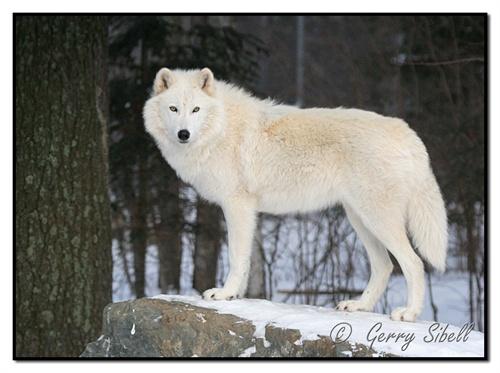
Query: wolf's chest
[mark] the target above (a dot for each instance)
(210, 179)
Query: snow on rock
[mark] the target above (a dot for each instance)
(248, 352)
(376, 331)
(187, 326)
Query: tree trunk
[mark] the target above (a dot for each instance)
(138, 232)
(63, 230)
(139, 229)
(299, 74)
(169, 234)
(207, 245)
(257, 278)
(471, 256)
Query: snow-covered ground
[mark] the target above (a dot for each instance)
(420, 339)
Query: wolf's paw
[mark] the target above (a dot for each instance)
(220, 294)
(353, 305)
(404, 314)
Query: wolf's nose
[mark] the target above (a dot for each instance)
(183, 135)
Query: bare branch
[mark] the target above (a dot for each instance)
(449, 62)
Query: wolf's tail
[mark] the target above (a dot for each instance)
(427, 222)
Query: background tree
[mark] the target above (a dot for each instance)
(63, 245)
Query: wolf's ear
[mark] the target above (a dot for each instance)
(207, 81)
(163, 80)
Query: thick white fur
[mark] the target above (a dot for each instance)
(250, 155)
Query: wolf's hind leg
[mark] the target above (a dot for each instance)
(380, 265)
(390, 229)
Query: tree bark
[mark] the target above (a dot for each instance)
(169, 234)
(207, 245)
(63, 231)
(257, 277)
(138, 232)
(299, 74)
(139, 229)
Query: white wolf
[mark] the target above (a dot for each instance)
(250, 155)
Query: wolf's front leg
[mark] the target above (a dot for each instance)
(240, 220)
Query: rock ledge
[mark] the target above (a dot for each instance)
(159, 328)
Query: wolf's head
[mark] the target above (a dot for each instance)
(183, 109)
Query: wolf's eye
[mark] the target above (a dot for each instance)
(196, 109)
(173, 108)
